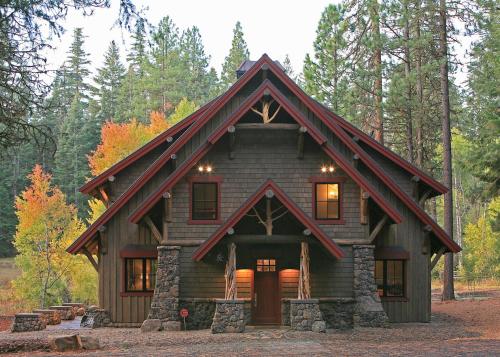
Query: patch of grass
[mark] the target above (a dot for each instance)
(9, 304)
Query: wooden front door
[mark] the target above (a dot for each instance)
(266, 300)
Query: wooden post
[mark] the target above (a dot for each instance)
(173, 159)
(90, 258)
(438, 255)
(378, 228)
(424, 197)
(304, 283)
(167, 198)
(104, 196)
(232, 140)
(300, 142)
(154, 231)
(355, 160)
(364, 207)
(103, 241)
(415, 183)
(230, 274)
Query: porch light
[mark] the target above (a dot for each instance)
(329, 168)
(200, 168)
(206, 169)
(209, 168)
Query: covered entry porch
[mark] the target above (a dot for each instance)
(266, 266)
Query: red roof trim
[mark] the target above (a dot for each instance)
(143, 150)
(151, 200)
(329, 244)
(215, 106)
(367, 160)
(391, 155)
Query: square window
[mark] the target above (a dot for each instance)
(140, 274)
(390, 278)
(327, 196)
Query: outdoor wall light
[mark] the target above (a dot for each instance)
(325, 169)
(207, 168)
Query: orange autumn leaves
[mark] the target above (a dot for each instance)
(118, 140)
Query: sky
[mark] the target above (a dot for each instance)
(276, 27)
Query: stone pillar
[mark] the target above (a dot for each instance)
(164, 311)
(229, 316)
(305, 315)
(368, 309)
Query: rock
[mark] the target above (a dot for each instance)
(90, 343)
(151, 325)
(172, 326)
(318, 326)
(28, 322)
(80, 311)
(65, 343)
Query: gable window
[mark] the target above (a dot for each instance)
(327, 201)
(205, 199)
(390, 277)
(140, 274)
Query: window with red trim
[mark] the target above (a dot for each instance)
(327, 201)
(140, 274)
(204, 198)
(204, 201)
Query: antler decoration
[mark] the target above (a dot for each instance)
(266, 106)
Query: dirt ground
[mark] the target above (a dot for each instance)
(460, 328)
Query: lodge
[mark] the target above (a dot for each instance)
(259, 206)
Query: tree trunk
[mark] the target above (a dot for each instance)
(304, 284)
(448, 288)
(409, 119)
(269, 218)
(419, 88)
(378, 123)
(230, 274)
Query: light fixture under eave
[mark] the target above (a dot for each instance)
(200, 168)
(329, 169)
(323, 169)
(209, 168)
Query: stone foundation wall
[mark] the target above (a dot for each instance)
(51, 317)
(66, 312)
(95, 318)
(285, 312)
(165, 302)
(201, 312)
(28, 322)
(337, 312)
(229, 316)
(368, 310)
(305, 315)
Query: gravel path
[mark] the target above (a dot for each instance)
(463, 328)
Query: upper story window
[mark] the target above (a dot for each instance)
(140, 274)
(390, 277)
(327, 201)
(205, 199)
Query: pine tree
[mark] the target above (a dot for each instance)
(326, 76)
(195, 63)
(78, 72)
(109, 80)
(237, 54)
(287, 65)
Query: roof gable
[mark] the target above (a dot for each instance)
(292, 207)
(269, 89)
(266, 63)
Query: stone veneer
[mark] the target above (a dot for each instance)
(28, 322)
(95, 318)
(305, 315)
(51, 317)
(337, 312)
(201, 312)
(165, 302)
(229, 316)
(368, 310)
(67, 312)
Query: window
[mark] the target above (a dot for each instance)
(266, 265)
(140, 274)
(327, 197)
(390, 278)
(204, 202)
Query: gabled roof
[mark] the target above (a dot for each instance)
(391, 155)
(268, 88)
(214, 106)
(330, 150)
(292, 207)
(143, 150)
